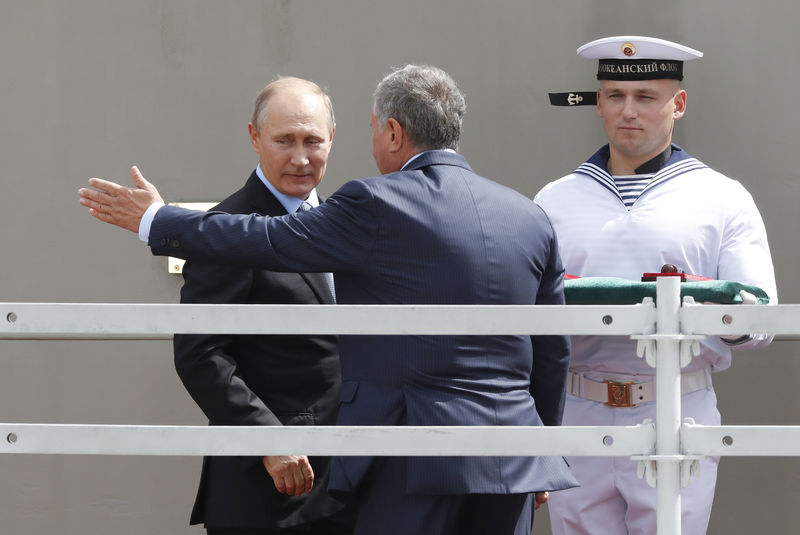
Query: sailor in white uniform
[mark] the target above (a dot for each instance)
(638, 203)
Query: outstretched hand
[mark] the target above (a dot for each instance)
(118, 205)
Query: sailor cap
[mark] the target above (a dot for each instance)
(630, 57)
(629, 47)
(638, 58)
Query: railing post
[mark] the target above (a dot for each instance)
(668, 406)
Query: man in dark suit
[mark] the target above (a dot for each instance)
(268, 380)
(427, 231)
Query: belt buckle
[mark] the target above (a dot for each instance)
(619, 393)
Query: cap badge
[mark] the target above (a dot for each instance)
(628, 49)
(574, 99)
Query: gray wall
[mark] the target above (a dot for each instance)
(89, 87)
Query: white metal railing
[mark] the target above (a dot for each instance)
(666, 334)
(33, 321)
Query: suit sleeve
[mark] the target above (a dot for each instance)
(337, 236)
(207, 364)
(551, 352)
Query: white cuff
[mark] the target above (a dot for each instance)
(147, 220)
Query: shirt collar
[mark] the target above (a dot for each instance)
(289, 203)
(600, 158)
(654, 165)
(417, 155)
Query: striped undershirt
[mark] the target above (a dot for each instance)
(631, 186)
(656, 171)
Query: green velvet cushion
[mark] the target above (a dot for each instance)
(616, 291)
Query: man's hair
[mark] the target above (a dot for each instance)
(427, 104)
(284, 82)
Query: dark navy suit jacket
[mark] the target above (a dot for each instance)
(432, 233)
(258, 380)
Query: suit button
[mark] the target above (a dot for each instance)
(163, 242)
(175, 244)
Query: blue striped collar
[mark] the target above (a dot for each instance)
(678, 163)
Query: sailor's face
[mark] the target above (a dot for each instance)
(638, 116)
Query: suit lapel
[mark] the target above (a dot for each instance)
(320, 287)
(265, 203)
(262, 200)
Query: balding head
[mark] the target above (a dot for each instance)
(291, 85)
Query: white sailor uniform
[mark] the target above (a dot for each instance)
(687, 215)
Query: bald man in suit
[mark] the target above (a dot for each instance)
(268, 380)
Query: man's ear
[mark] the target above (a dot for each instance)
(599, 111)
(680, 104)
(397, 136)
(254, 137)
